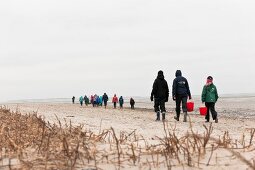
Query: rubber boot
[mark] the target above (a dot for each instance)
(158, 116)
(216, 120)
(163, 116)
(176, 118)
(185, 117)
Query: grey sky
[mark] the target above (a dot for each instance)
(60, 48)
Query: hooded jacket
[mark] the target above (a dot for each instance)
(180, 85)
(132, 101)
(105, 97)
(121, 100)
(81, 99)
(86, 99)
(160, 89)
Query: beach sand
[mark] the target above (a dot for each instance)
(236, 115)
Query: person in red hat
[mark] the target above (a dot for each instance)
(210, 97)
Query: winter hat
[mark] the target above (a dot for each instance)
(209, 79)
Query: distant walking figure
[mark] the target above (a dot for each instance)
(92, 100)
(81, 100)
(101, 100)
(97, 100)
(210, 97)
(132, 103)
(121, 102)
(160, 92)
(180, 93)
(86, 100)
(105, 99)
(73, 99)
(115, 101)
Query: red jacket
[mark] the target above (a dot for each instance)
(115, 99)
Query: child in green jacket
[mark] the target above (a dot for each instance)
(210, 97)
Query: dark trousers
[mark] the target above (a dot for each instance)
(181, 100)
(121, 105)
(159, 105)
(114, 104)
(210, 107)
(132, 106)
(105, 103)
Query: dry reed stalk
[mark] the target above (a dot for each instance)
(210, 156)
(117, 146)
(252, 132)
(133, 157)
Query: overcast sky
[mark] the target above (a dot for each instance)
(61, 48)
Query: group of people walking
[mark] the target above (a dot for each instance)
(180, 94)
(96, 101)
(160, 94)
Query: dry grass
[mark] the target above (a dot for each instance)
(29, 142)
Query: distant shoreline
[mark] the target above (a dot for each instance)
(137, 98)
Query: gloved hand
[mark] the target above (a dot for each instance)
(151, 98)
(190, 97)
(174, 98)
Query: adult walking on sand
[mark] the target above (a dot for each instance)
(92, 100)
(86, 100)
(73, 99)
(132, 103)
(210, 97)
(180, 93)
(100, 100)
(81, 100)
(105, 100)
(121, 102)
(160, 94)
(115, 101)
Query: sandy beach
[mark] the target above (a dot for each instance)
(236, 116)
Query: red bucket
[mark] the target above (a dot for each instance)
(203, 111)
(190, 106)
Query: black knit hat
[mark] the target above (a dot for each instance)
(209, 78)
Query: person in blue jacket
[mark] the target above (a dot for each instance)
(180, 94)
(97, 100)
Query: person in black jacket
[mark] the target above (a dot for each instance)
(180, 93)
(132, 103)
(160, 92)
(105, 99)
(73, 99)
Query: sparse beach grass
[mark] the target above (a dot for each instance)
(27, 141)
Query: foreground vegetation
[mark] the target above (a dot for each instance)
(29, 142)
